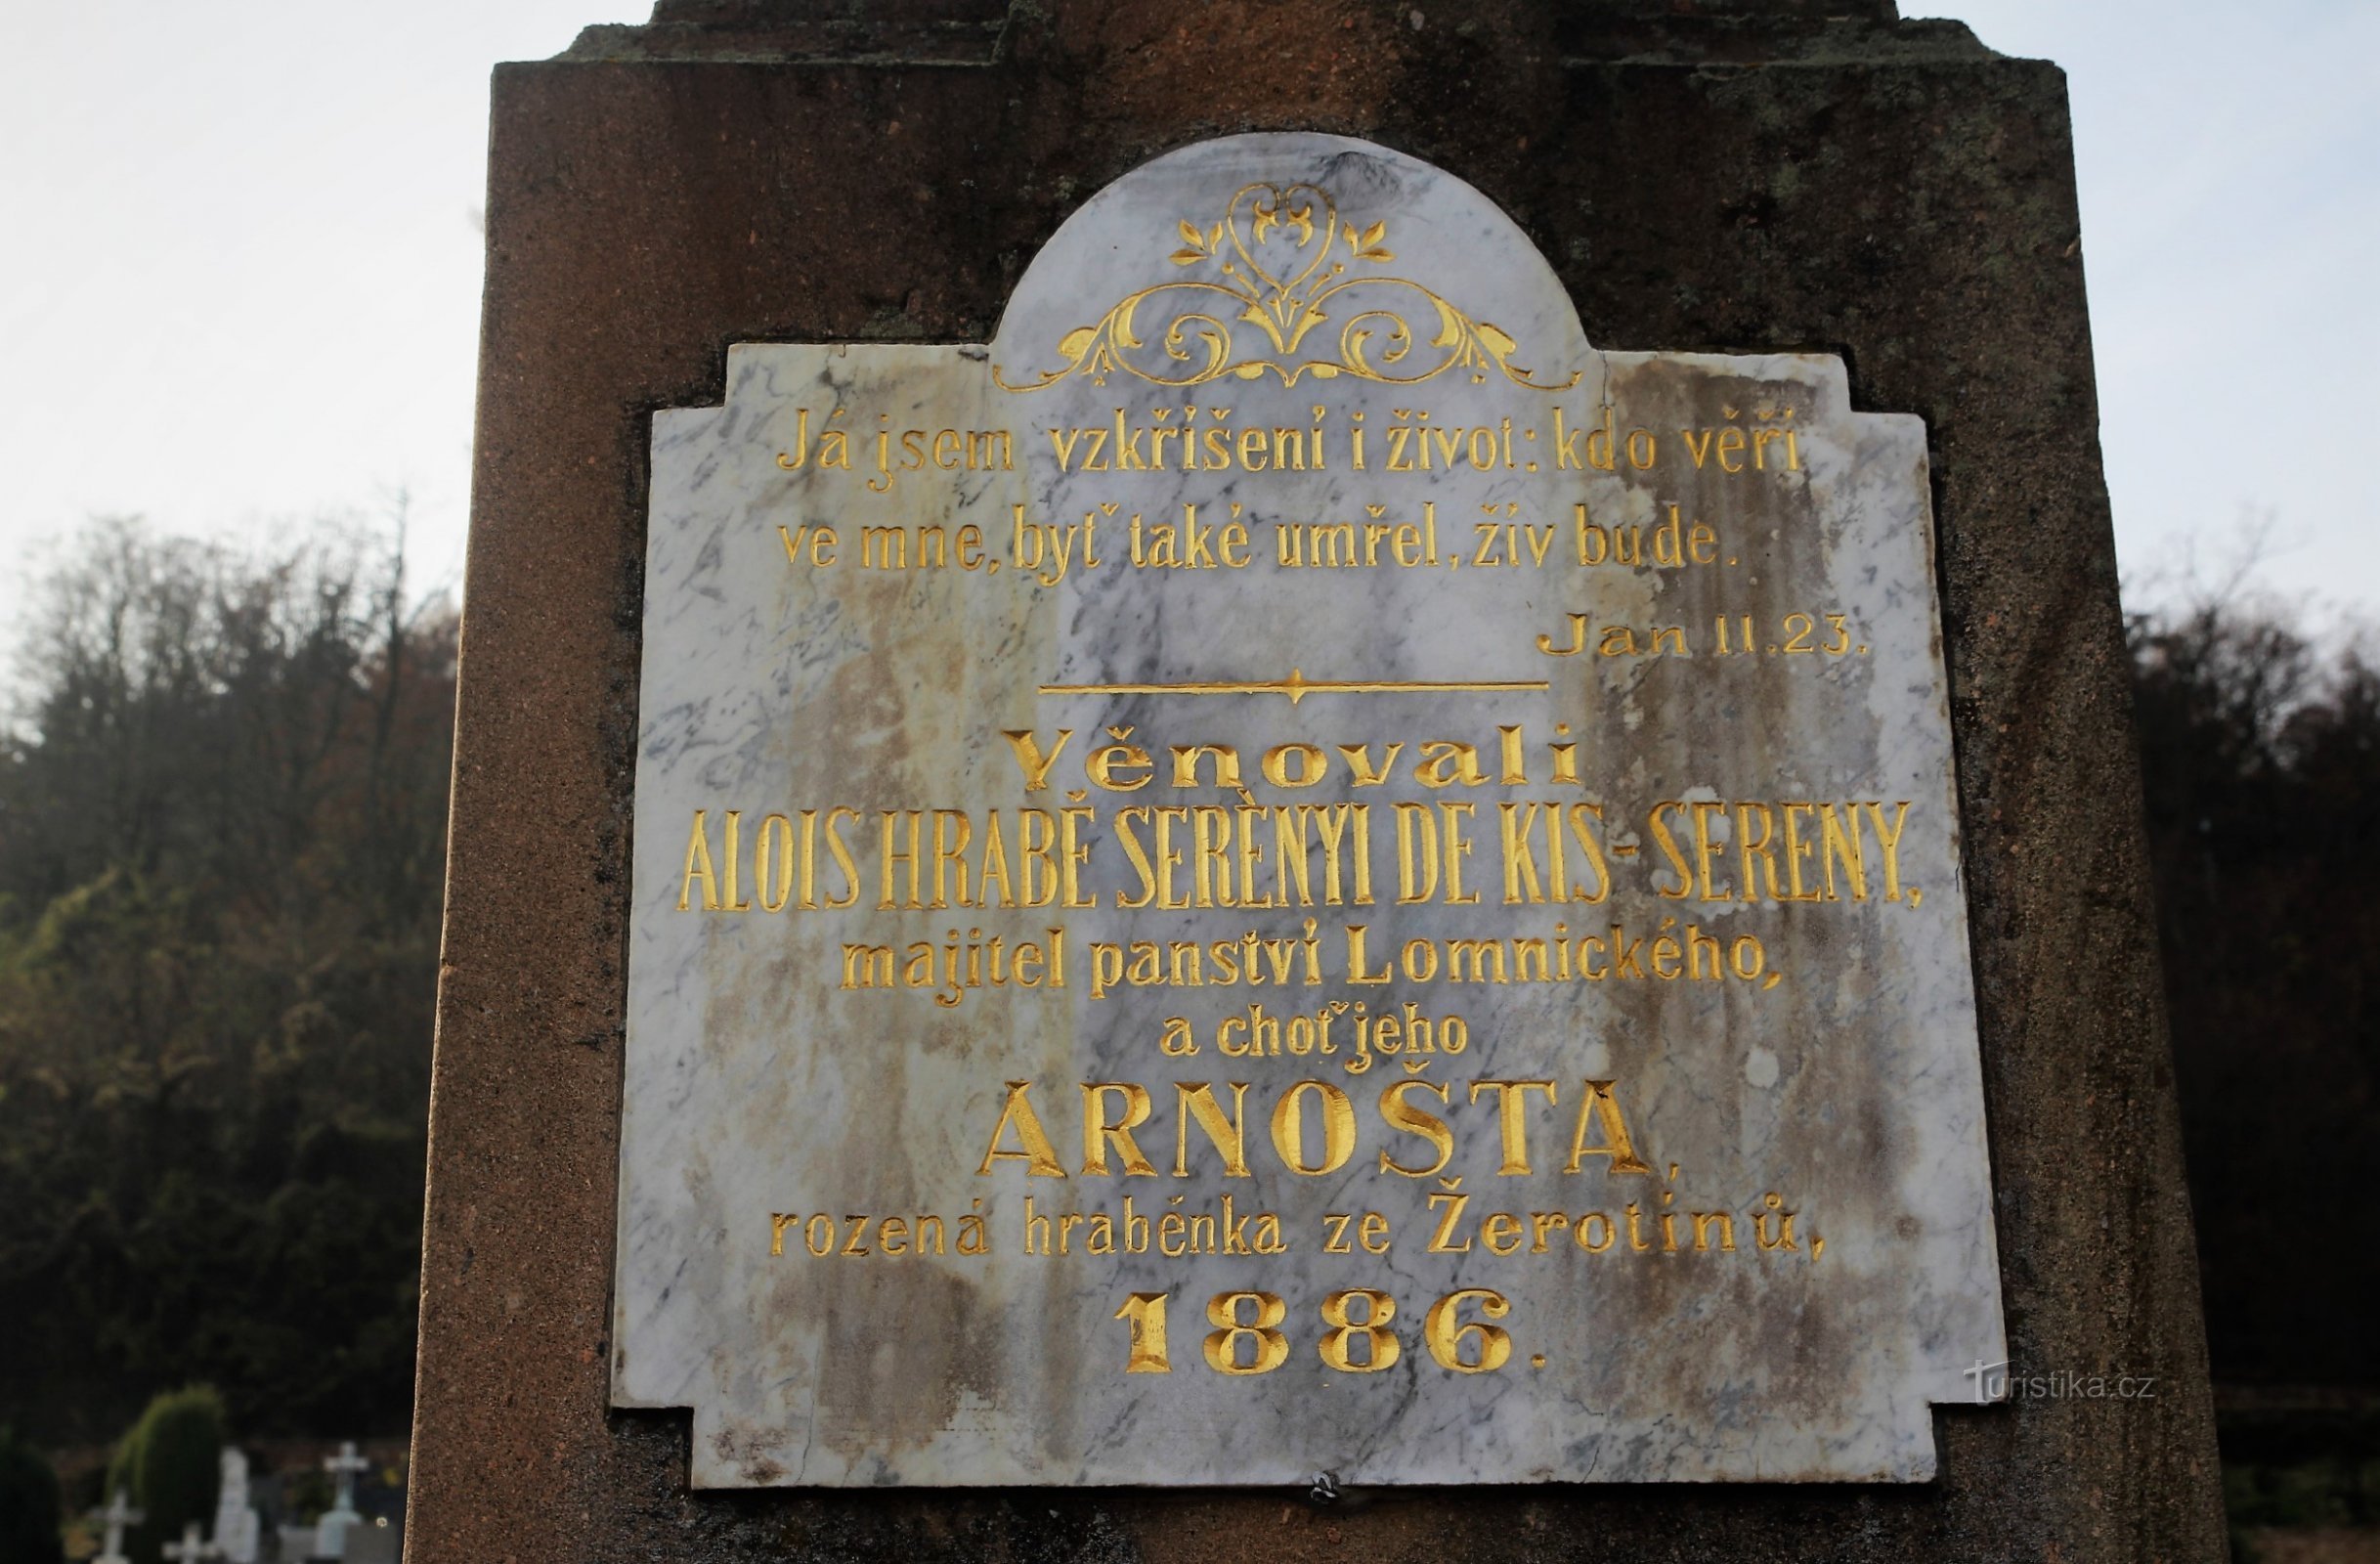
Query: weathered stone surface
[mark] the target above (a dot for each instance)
(1913, 213)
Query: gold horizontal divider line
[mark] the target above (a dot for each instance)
(1297, 686)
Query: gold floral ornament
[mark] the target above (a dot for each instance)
(1277, 270)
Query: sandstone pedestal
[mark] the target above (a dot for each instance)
(1874, 218)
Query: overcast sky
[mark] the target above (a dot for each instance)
(240, 282)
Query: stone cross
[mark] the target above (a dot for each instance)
(344, 1467)
(191, 1548)
(330, 1532)
(118, 1515)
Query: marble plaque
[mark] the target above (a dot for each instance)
(1291, 869)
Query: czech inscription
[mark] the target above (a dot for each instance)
(1289, 870)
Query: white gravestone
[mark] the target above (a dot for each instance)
(1293, 869)
(237, 1530)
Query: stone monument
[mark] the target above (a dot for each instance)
(238, 1529)
(1369, 754)
(330, 1532)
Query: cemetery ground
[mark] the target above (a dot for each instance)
(222, 801)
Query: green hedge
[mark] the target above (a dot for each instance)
(29, 1504)
(171, 1463)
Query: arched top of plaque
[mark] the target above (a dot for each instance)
(1290, 260)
